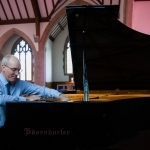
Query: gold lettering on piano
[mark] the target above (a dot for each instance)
(36, 132)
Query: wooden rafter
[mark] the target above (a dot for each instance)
(60, 5)
(100, 2)
(20, 21)
(46, 7)
(94, 2)
(37, 17)
(17, 21)
(54, 7)
(53, 2)
(3, 10)
(18, 9)
(11, 9)
(26, 8)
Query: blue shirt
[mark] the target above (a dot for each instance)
(19, 88)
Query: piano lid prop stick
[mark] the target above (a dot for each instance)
(85, 79)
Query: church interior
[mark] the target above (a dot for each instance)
(42, 34)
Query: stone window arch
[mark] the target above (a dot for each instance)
(22, 50)
(68, 69)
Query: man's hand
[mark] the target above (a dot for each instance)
(62, 97)
(32, 97)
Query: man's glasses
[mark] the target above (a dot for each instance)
(14, 69)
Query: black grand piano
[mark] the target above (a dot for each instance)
(106, 55)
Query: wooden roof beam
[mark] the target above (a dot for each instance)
(37, 19)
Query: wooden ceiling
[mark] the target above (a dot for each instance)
(28, 11)
(37, 11)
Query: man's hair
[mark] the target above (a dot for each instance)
(5, 60)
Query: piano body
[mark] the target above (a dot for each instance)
(117, 59)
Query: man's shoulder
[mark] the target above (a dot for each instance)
(22, 81)
(2, 79)
(19, 81)
(1, 76)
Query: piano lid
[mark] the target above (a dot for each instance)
(117, 57)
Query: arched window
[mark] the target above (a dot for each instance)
(68, 69)
(22, 50)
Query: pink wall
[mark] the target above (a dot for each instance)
(141, 16)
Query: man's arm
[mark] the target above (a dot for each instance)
(31, 97)
(63, 97)
(43, 92)
(8, 98)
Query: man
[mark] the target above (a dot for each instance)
(14, 89)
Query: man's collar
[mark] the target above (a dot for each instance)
(3, 79)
